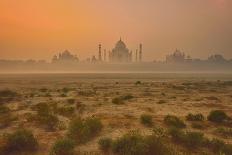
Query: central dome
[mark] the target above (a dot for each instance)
(120, 44)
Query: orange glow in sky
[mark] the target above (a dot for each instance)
(38, 29)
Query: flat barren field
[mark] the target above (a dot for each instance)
(120, 114)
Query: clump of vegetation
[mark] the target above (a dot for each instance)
(217, 116)
(161, 102)
(105, 144)
(174, 121)
(196, 117)
(6, 117)
(219, 147)
(87, 93)
(83, 130)
(66, 111)
(224, 132)
(127, 97)
(117, 100)
(121, 99)
(146, 120)
(20, 141)
(65, 90)
(44, 117)
(130, 144)
(8, 95)
(63, 146)
(189, 139)
(138, 83)
(43, 90)
(4, 110)
(71, 100)
(63, 95)
(134, 143)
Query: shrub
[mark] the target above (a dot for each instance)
(224, 132)
(8, 95)
(63, 146)
(189, 139)
(66, 111)
(146, 120)
(44, 117)
(157, 146)
(127, 97)
(105, 144)
(193, 139)
(174, 121)
(71, 101)
(43, 90)
(219, 147)
(161, 102)
(138, 83)
(135, 144)
(130, 144)
(6, 120)
(42, 108)
(83, 130)
(196, 117)
(20, 140)
(4, 109)
(217, 116)
(117, 101)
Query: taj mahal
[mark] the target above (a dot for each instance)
(119, 54)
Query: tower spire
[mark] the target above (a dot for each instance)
(100, 53)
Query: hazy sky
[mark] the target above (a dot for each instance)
(38, 29)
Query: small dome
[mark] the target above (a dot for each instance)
(120, 44)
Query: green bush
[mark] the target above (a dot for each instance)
(63, 147)
(117, 101)
(20, 140)
(6, 120)
(189, 139)
(217, 116)
(44, 117)
(66, 111)
(138, 83)
(224, 132)
(83, 130)
(157, 146)
(130, 144)
(174, 121)
(4, 110)
(127, 97)
(8, 95)
(146, 120)
(71, 100)
(196, 117)
(105, 144)
(219, 147)
(134, 143)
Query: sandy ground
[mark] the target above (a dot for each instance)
(157, 96)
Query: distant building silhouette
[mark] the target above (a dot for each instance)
(217, 58)
(120, 54)
(65, 56)
(140, 52)
(176, 57)
(100, 53)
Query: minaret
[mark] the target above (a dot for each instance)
(136, 56)
(99, 54)
(105, 55)
(140, 52)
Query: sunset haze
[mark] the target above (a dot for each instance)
(39, 29)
